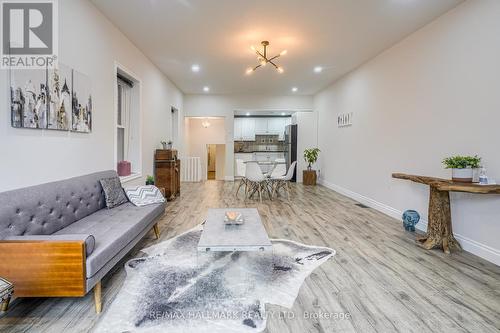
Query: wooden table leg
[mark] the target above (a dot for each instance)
(439, 229)
(5, 304)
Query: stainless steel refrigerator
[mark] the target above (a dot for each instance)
(291, 148)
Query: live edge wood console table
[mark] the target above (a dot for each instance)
(439, 230)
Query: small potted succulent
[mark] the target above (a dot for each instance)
(462, 167)
(166, 144)
(150, 180)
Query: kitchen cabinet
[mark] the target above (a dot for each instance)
(261, 126)
(244, 129)
(284, 123)
(238, 123)
(248, 129)
(275, 125)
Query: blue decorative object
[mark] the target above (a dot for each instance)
(410, 219)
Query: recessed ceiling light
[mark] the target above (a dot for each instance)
(206, 89)
(294, 89)
(195, 68)
(247, 114)
(318, 69)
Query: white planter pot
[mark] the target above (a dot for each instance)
(462, 175)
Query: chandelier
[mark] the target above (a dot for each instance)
(205, 123)
(263, 59)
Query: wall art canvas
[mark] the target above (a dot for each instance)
(28, 96)
(81, 103)
(59, 101)
(56, 99)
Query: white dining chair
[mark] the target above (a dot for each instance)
(240, 174)
(279, 168)
(279, 182)
(256, 181)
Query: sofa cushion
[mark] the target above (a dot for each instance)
(113, 192)
(48, 208)
(144, 195)
(88, 239)
(113, 229)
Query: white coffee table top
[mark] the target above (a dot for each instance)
(249, 236)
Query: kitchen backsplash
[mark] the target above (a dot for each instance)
(261, 143)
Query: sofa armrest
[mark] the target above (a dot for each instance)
(89, 240)
(44, 268)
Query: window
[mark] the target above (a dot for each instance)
(123, 120)
(128, 139)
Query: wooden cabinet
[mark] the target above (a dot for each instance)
(167, 172)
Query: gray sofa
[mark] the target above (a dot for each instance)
(49, 220)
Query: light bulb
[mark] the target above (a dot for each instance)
(318, 69)
(249, 71)
(280, 69)
(283, 52)
(252, 48)
(263, 62)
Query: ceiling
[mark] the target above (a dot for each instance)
(338, 35)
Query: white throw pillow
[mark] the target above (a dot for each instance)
(144, 195)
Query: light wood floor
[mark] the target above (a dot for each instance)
(379, 276)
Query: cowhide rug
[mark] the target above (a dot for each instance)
(177, 289)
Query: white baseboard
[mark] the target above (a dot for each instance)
(229, 178)
(481, 250)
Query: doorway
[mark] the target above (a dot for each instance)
(211, 162)
(216, 158)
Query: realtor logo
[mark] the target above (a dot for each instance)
(29, 34)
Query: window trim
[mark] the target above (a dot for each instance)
(119, 68)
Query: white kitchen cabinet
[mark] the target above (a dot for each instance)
(248, 129)
(275, 125)
(244, 129)
(284, 123)
(260, 126)
(238, 128)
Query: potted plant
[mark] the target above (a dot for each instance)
(462, 167)
(309, 175)
(150, 180)
(166, 144)
(311, 156)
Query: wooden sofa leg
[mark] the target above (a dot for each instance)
(157, 230)
(97, 297)
(5, 305)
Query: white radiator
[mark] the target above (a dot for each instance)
(191, 169)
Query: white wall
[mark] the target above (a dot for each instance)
(225, 105)
(89, 43)
(434, 94)
(199, 137)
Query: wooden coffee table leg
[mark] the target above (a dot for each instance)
(439, 229)
(5, 304)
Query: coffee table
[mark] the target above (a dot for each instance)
(249, 236)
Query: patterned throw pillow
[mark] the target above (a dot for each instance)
(113, 192)
(144, 195)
